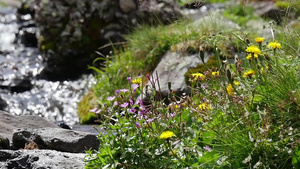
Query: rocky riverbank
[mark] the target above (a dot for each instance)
(32, 142)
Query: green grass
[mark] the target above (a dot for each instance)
(255, 126)
(146, 45)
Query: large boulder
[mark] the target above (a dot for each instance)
(40, 159)
(56, 139)
(171, 70)
(9, 123)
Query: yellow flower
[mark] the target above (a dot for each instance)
(274, 45)
(198, 76)
(259, 39)
(215, 74)
(166, 134)
(249, 56)
(137, 81)
(236, 83)
(204, 106)
(255, 55)
(253, 49)
(248, 73)
(230, 89)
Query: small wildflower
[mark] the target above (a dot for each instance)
(133, 110)
(204, 106)
(259, 39)
(117, 92)
(98, 111)
(197, 76)
(236, 83)
(93, 110)
(116, 103)
(253, 49)
(274, 45)
(207, 148)
(137, 124)
(249, 56)
(111, 98)
(129, 79)
(172, 115)
(255, 55)
(248, 73)
(124, 105)
(137, 81)
(166, 135)
(124, 90)
(215, 74)
(230, 89)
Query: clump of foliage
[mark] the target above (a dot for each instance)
(147, 45)
(243, 114)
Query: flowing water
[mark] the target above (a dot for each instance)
(21, 90)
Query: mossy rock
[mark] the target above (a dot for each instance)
(87, 103)
(211, 63)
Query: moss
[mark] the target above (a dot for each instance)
(88, 102)
(211, 63)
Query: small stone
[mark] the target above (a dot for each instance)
(127, 5)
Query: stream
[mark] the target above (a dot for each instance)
(22, 92)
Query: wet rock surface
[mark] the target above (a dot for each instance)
(41, 159)
(56, 139)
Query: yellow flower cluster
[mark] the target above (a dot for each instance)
(253, 49)
(204, 106)
(274, 45)
(137, 81)
(259, 39)
(215, 74)
(248, 73)
(197, 76)
(230, 89)
(166, 134)
(236, 83)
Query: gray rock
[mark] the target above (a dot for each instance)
(268, 9)
(42, 159)
(56, 139)
(8, 123)
(172, 68)
(127, 5)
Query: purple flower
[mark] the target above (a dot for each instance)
(207, 148)
(138, 125)
(134, 87)
(129, 79)
(131, 101)
(124, 90)
(116, 103)
(172, 115)
(149, 120)
(111, 98)
(124, 105)
(97, 112)
(132, 110)
(148, 76)
(93, 110)
(141, 102)
(117, 92)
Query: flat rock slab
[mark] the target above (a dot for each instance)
(56, 139)
(40, 159)
(9, 123)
